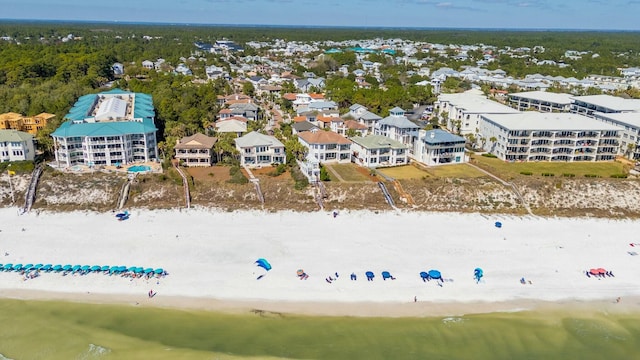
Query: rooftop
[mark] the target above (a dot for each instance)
(533, 120)
(610, 102)
(14, 136)
(556, 98)
(377, 142)
(628, 118)
(323, 137)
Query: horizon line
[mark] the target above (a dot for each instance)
(293, 26)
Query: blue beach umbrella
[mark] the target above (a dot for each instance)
(8, 266)
(105, 268)
(435, 274)
(46, 267)
(85, 267)
(28, 266)
(38, 266)
(95, 268)
(67, 267)
(148, 270)
(159, 271)
(122, 268)
(132, 269)
(57, 267)
(76, 267)
(138, 270)
(17, 266)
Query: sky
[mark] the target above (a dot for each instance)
(492, 14)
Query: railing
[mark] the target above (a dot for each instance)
(386, 194)
(30, 196)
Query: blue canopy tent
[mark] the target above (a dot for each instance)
(435, 274)
(263, 264)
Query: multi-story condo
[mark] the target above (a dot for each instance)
(438, 147)
(29, 124)
(16, 146)
(462, 112)
(326, 146)
(110, 128)
(629, 126)
(534, 136)
(378, 151)
(541, 101)
(587, 105)
(257, 149)
(396, 126)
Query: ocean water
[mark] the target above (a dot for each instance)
(60, 330)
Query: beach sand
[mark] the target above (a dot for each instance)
(210, 256)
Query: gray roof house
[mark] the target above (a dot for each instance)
(437, 147)
(257, 150)
(396, 126)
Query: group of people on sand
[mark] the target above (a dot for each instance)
(331, 279)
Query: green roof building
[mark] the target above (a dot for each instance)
(110, 128)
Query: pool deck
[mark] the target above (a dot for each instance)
(84, 169)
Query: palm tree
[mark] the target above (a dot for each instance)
(493, 140)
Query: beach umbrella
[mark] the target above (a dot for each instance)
(57, 267)
(113, 269)
(95, 268)
(76, 267)
(67, 267)
(17, 266)
(601, 271)
(369, 274)
(300, 272)
(594, 271)
(435, 274)
(139, 270)
(122, 268)
(85, 267)
(148, 270)
(8, 266)
(105, 268)
(38, 266)
(424, 275)
(132, 269)
(158, 271)
(46, 267)
(28, 266)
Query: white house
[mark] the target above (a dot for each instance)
(362, 115)
(257, 149)
(438, 147)
(396, 126)
(16, 146)
(326, 146)
(378, 151)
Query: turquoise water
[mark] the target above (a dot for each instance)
(139, 168)
(58, 330)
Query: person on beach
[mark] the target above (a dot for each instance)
(618, 299)
(415, 299)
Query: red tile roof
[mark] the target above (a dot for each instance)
(323, 137)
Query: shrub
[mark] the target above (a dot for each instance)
(619, 176)
(279, 170)
(237, 177)
(568, 175)
(548, 174)
(301, 181)
(324, 174)
(526, 173)
(489, 155)
(591, 176)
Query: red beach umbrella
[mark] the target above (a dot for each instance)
(594, 271)
(601, 271)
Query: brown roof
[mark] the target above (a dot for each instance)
(299, 118)
(352, 124)
(323, 137)
(327, 119)
(239, 118)
(316, 96)
(289, 96)
(10, 116)
(197, 141)
(225, 111)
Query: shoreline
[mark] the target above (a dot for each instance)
(420, 309)
(210, 256)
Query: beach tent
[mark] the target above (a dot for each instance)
(424, 275)
(435, 274)
(478, 274)
(498, 224)
(263, 264)
(386, 275)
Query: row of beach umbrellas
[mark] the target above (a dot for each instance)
(80, 268)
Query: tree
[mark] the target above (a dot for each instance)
(226, 149)
(248, 89)
(324, 174)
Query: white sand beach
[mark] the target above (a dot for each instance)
(210, 256)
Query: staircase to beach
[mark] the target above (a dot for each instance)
(30, 196)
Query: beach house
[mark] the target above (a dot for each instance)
(29, 124)
(396, 126)
(109, 128)
(374, 151)
(257, 150)
(16, 146)
(438, 147)
(326, 146)
(196, 150)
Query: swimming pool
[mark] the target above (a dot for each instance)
(139, 168)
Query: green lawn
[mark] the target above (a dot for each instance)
(507, 170)
(455, 171)
(404, 172)
(349, 172)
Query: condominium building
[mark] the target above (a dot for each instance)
(541, 101)
(110, 128)
(534, 136)
(587, 105)
(629, 126)
(462, 112)
(438, 147)
(16, 146)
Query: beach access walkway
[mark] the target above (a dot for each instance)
(506, 184)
